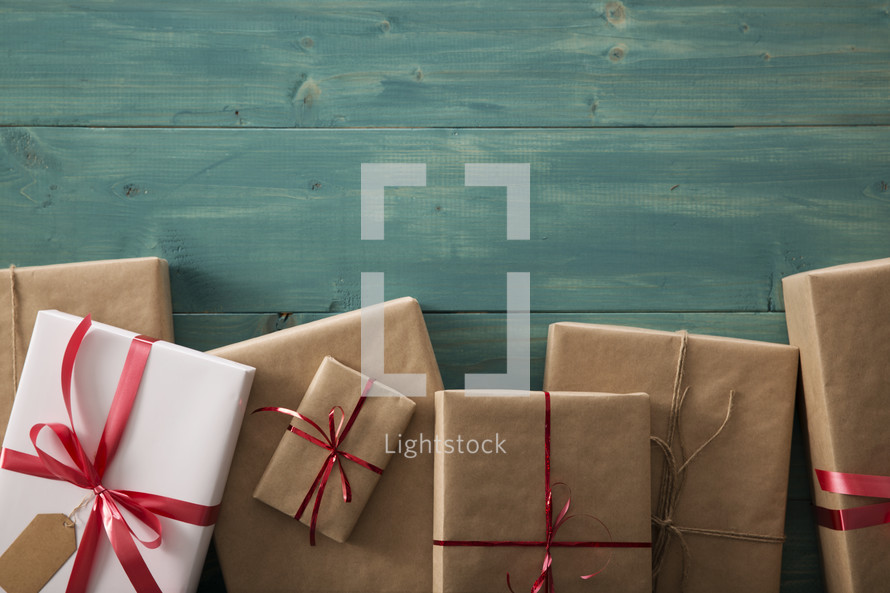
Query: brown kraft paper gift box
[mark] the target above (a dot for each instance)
(724, 408)
(839, 317)
(599, 451)
(389, 549)
(371, 438)
(132, 294)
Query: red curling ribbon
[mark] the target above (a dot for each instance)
(546, 575)
(332, 442)
(855, 485)
(87, 474)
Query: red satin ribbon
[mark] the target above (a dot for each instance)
(106, 510)
(856, 485)
(332, 442)
(546, 575)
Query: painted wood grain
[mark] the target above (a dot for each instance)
(395, 63)
(621, 220)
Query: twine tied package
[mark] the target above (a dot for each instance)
(722, 414)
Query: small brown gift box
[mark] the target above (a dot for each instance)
(839, 317)
(724, 409)
(389, 549)
(133, 294)
(490, 501)
(288, 482)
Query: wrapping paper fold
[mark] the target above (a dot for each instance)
(839, 317)
(373, 436)
(388, 550)
(177, 442)
(728, 506)
(133, 294)
(599, 451)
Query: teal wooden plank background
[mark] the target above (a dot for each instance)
(621, 220)
(428, 63)
(684, 157)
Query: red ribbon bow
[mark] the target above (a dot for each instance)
(332, 442)
(87, 474)
(856, 485)
(546, 575)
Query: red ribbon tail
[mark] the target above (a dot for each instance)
(509, 586)
(546, 575)
(125, 549)
(311, 491)
(86, 553)
(314, 520)
(344, 481)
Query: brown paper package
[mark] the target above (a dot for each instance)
(599, 449)
(839, 317)
(738, 482)
(132, 294)
(373, 438)
(389, 549)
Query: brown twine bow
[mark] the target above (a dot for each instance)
(14, 314)
(673, 477)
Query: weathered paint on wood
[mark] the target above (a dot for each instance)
(621, 220)
(394, 63)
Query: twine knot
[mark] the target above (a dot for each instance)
(673, 478)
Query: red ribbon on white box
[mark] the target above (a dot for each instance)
(87, 474)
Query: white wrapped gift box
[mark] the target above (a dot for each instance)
(178, 443)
